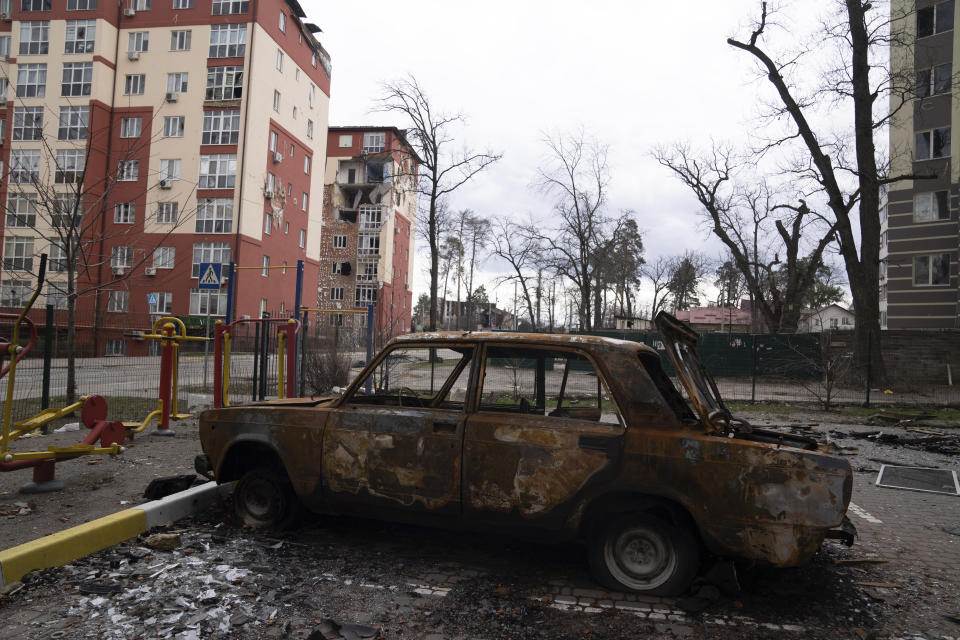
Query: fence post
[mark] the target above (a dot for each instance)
(264, 357)
(47, 357)
(753, 375)
(369, 388)
(869, 354)
(256, 360)
(302, 381)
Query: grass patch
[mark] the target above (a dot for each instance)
(764, 407)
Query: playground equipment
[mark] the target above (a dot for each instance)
(287, 331)
(167, 409)
(93, 411)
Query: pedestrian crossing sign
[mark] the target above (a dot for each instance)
(210, 275)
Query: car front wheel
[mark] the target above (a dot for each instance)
(644, 553)
(265, 499)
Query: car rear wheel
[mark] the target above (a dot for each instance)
(644, 553)
(264, 499)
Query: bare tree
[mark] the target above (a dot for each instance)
(472, 233)
(658, 273)
(846, 167)
(520, 247)
(442, 171)
(756, 230)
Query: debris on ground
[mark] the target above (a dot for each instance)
(163, 541)
(163, 487)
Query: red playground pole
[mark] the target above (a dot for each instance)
(166, 381)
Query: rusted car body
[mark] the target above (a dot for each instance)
(576, 436)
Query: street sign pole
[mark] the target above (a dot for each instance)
(210, 279)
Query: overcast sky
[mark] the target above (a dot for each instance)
(634, 74)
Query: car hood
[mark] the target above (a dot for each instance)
(681, 342)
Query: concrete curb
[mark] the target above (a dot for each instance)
(68, 545)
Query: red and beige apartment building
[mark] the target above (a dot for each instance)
(369, 223)
(197, 130)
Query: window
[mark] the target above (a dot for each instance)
(56, 297)
(227, 7)
(167, 212)
(272, 141)
(73, 123)
(34, 38)
(928, 207)
(224, 83)
(228, 40)
(931, 270)
(303, 238)
(934, 81)
(173, 126)
(339, 242)
(138, 41)
(34, 5)
(267, 223)
(164, 303)
(313, 59)
(124, 213)
(24, 166)
(3, 88)
(128, 170)
(306, 165)
(141, 5)
(21, 210)
(67, 212)
(286, 228)
(294, 112)
(932, 144)
(210, 252)
(303, 202)
(28, 123)
(177, 82)
(4, 46)
(935, 19)
(365, 294)
(81, 5)
(370, 217)
(131, 127)
(208, 301)
(283, 21)
(313, 91)
(276, 100)
(180, 40)
(16, 293)
(367, 271)
(368, 244)
(337, 268)
(118, 302)
(116, 348)
(310, 129)
(31, 80)
(18, 253)
(336, 293)
(265, 266)
(121, 257)
(214, 215)
(374, 142)
(345, 141)
(279, 60)
(218, 171)
(77, 79)
(70, 166)
(170, 169)
(183, 4)
(133, 85)
(221, 127)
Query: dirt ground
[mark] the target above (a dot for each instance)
(408, 582)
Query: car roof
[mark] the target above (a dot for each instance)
(593, 343)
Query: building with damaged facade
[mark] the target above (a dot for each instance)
(369, 223)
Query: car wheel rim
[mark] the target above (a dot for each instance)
(640, 558)
(261, 500)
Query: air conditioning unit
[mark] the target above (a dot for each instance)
(133, 55)
(165, 184)
(172, 97)
(267, 192)
(119, 271)
(150, 271)
(5, 16)
(129, 12)
(277, 156)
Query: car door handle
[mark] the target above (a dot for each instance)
(444, 427)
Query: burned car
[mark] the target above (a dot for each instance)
(562, 436)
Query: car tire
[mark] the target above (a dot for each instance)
(264, 499)
(643, 553)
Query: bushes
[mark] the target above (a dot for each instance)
(327, 366)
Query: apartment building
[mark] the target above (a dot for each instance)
(919, 240)
(190, 131)
(369, 222)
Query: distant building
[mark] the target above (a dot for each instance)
(830, 317)
(716, 319)
(369, 224)
(632, 323)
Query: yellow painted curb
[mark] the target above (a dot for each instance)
(68, 545)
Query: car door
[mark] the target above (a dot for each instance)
(545, 429)
(399, 446)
